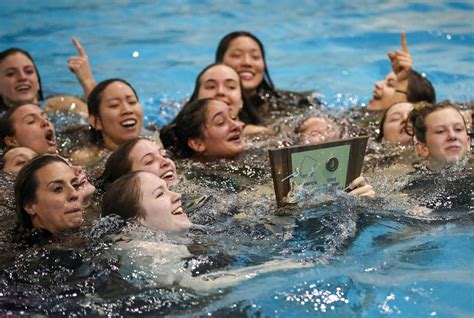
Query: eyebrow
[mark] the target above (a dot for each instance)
(214, 117)
(146, 155)
(61, 181)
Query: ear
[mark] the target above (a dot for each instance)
(197, 145)
(30, 209)
(11, 142)
(94, 122)
(422, 149)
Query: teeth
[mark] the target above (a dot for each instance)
(169, 174)
(129, 122)
(178, 211)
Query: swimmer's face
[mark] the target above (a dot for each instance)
(383, 93)
(32, 130)
(120, 115)
(244, 55)
(18, 80)
(16, 158)
(394, 127)
(58, 205)
(85, 187)
(221, 136)
(161, 206)
(318, 129)
(446, 137)
(223, 83)
(148, 156)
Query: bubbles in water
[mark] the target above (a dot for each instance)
(136, 54)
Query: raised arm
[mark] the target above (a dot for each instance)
(402, 63)
(80, 66)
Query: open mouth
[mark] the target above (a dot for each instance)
(235, 138)
(23, 88)
(178, 211)
(129, 123)
(169, 175)
(246, 75)
(50, 138)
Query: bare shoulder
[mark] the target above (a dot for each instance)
(85, 156)
(66, 104)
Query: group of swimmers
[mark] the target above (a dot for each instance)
(234, 100)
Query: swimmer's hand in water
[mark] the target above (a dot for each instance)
(402, 63)
(80, 66)
(360, 187)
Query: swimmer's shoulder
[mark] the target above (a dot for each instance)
(86, 156)
(66, 104)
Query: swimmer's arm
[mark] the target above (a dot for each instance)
(254, 130)
(80, 66)
(66, 104)
(402, 63)
(223, 279)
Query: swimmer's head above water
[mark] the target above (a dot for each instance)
(145, 198)
(115, 113)
(441, 133)
(393, 125)
(47, 195)
(316, 129)
(244, 52)
(28, 126)
(203, 128)
(140, 154)
(20, 81)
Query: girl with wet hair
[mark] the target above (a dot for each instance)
(115, 117)
(393, 125)
(244, 52)
(441, 133)
(20, 81)
(203, 128)
(47, 196)
(402, 84)
(222, 82)
(145, 198)
(28, 126)
(139, 154)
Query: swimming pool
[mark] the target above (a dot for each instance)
(365, 260)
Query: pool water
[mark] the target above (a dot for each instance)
(362, 258)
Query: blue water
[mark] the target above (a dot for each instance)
(388, 267)
(337, 48)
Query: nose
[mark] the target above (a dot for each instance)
(236, 125)
(220, 91)
(74, 194)
(126, 108)
(21, 75)
(175, 196)
(246, 59)
(45, 122)
(164, 162)
(452, 135)
(380, 84)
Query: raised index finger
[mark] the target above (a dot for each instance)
(78, 46)
(404, 43)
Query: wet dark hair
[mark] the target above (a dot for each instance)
(420, 89)
(93, 104)
(224, 44)
(417, 117)
(187, 124)
(248, 114)
(11, 51)
(118, 163)
(26, 185)
(124, 197)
